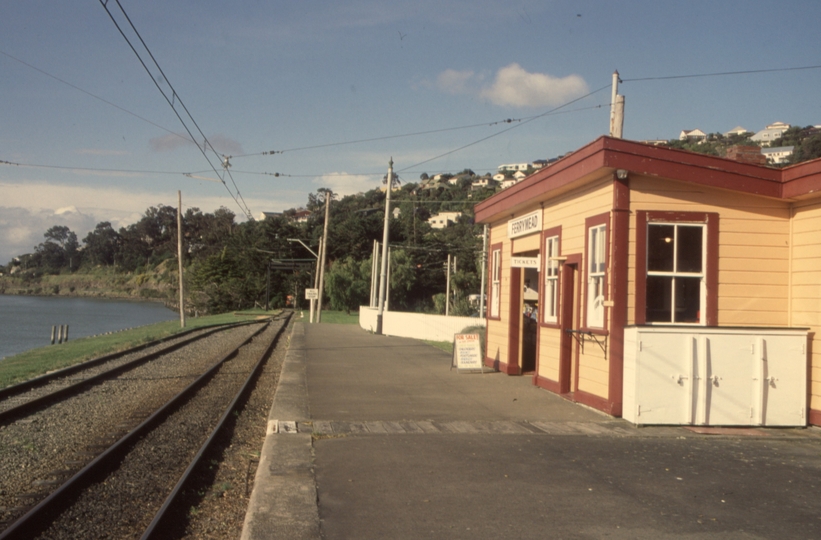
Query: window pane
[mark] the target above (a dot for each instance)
(689, 245)
(659, 299)
(594, 238)
(660, 243)
(688, 299)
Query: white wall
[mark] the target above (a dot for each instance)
(416, 325)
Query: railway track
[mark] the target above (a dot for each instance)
(23, 398)
(125, 480)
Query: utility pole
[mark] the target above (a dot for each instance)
(388, 284)
(384, 269)
(316, 279)
(447, 290)
(328, 195)
(374, 272)
(616, 109)
(179, 257)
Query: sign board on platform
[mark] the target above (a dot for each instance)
(524, 225)
(525, 262)
(311, 294)
(467, 352)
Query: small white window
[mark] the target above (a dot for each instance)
(496, 282)
(551, 279)
(595, 276)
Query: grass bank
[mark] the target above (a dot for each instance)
(35, 362)
(333, 317)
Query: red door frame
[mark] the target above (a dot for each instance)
(569, 299)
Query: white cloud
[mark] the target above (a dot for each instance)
(29, 209)
(456, 82)
(22, 229)
(343, 183)
(515, 87)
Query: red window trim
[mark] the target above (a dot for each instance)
(500, 248)
(547, 233)
(710, 219)
(601, 219)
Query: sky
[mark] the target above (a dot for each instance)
(326, 93)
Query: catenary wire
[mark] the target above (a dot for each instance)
(413, 134)
(531, 119)
(176, 97)
(86, 92)
(720, 74)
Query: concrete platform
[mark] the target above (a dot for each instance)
(376, 437)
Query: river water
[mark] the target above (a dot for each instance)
(26, 321)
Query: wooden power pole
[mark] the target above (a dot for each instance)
(179, 257)
(323, 254)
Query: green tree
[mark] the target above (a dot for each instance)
(347, 283)
(101, 245)
(810, 148)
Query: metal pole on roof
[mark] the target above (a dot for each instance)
(616, 109)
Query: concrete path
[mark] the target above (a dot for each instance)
(376, 437)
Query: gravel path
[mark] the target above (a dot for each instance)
(64, 436)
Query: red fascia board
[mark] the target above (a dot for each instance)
(562, 173)
(606, 153)
(702, 172)
(802, 179)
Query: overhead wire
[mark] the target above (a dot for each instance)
(412, 134)
(171, 102)
(86, 92)
(97, 169)
(720, 74)
(531, 119)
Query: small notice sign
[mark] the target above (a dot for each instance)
(311, 294)
(467, 352)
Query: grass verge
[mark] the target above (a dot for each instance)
(34, 362)
(333, 317)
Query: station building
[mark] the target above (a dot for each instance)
(661, 285)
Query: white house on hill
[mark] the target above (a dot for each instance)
(443, 219)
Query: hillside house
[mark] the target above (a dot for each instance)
(509, 182)
(484, 182)
(692, 135)
(302, 215)
(443, 219)
(778, 154)
(770, 133)
(513, 167)
(738, 130)
(671, 287)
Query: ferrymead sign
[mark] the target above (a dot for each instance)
(527, 224)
